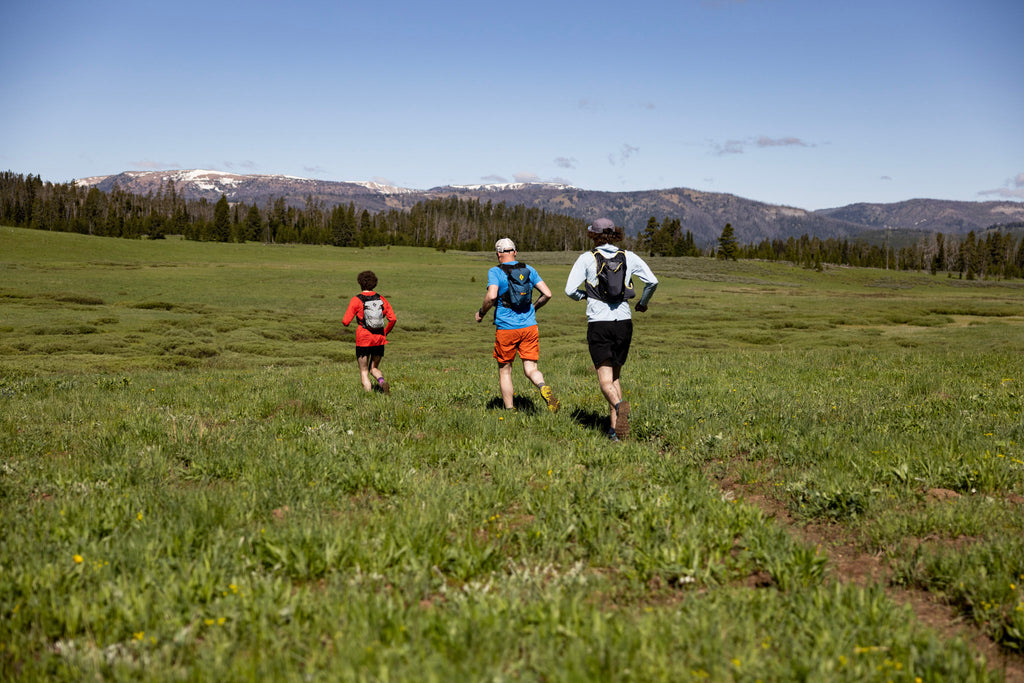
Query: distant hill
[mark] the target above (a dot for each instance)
(255, 189)
(702, 213)
(930, 215)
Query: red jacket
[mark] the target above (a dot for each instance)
(363, 336)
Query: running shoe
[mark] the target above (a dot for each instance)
(385, 388)
(549, 397)
(622, 419)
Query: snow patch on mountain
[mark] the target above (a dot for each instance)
(208, 180)
(381, 188)
(198, 173)
(498, 187)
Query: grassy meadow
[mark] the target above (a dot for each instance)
(193, 485)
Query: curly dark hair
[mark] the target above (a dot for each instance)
(367, 280)
(606, 237)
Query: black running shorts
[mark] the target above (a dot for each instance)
(609, 341)
(369, 351)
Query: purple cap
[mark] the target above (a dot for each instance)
(600, 225)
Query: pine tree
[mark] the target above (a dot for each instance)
(727, 247)
(276, 215)
(662, 242)
(253, 224)
(939, 260)
(221, 220)
(647, 237)
(968, 250)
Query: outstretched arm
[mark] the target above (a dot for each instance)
(389, 313)
(577, 276)
(351, 311)
(646, 295)
(489, 299)
(545, 295)
(643, 272)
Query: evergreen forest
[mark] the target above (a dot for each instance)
(466, 225)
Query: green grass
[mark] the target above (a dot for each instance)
(194, 486)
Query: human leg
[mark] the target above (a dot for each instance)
(608, 380)
(529, 352)
(369, 358)
(364, 372)
(533, 373)
(377, 375)
(505, 384)
(609, 346)
(506, 346)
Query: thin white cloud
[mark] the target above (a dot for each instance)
(1012, 189)
(625, 152)
(241, 165)
(526, 177)
(886, 177)
(566, 162)
(1004, 192)
(151, 165)
(729, 147)
(765, 141)
(740, 146)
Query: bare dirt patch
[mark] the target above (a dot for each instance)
(849, 562)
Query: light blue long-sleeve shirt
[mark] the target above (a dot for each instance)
(585, 270)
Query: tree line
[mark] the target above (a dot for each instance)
(994, 255)
(463, 224)
(445, 223)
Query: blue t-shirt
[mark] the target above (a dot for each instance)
(505, 318)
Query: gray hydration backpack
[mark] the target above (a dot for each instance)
(373, 319)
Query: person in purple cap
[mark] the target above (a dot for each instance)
(605, 274)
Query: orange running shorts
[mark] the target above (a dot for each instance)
(525, 341)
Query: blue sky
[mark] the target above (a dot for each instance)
(807, 103)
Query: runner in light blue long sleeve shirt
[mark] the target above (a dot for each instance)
(609, 323)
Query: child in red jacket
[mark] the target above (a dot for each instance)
(376, 318)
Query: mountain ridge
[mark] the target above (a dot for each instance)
(702, 213)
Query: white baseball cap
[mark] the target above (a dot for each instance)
(504, 244)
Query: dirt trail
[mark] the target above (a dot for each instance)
(851, 564)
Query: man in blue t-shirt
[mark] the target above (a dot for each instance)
(516, 325)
